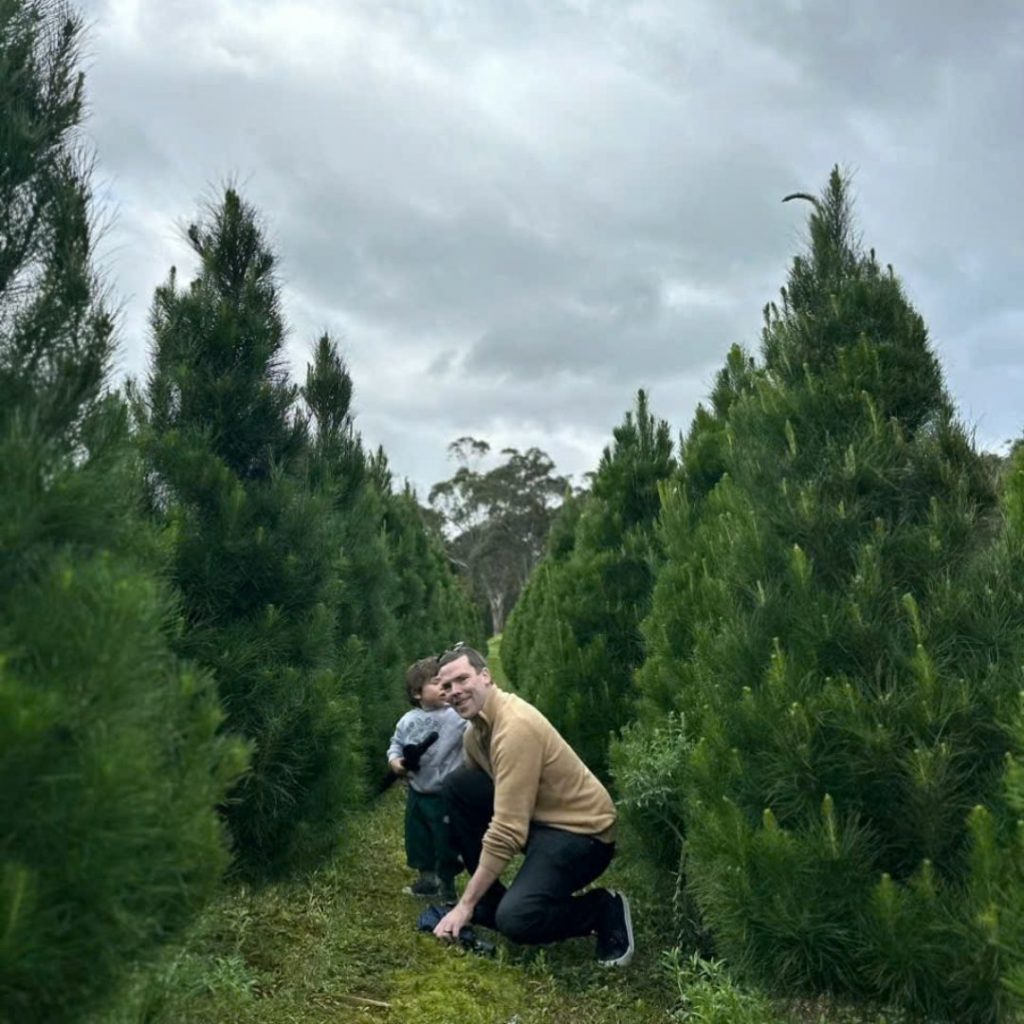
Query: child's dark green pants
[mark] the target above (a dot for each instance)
(428, 845)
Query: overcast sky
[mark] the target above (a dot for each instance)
(514, 213)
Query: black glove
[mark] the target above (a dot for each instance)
(412, 753)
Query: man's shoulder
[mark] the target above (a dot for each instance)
(513, 713)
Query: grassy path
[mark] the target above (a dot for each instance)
(341, 946)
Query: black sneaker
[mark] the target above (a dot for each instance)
(446, 892)
(615, 944)
(427, 887)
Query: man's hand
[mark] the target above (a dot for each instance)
(453, 922)
(398, 767)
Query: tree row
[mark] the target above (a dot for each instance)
(209, 588)
(796, 647)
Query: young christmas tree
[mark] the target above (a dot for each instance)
(430, 601)
(255, 554)
(371, 660)
(579, 656)
(397, 599)
(649, 763)
(844, 716)
(528, 613)
(110, 762)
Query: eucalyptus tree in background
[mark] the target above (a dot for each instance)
(254, 543)
(496, 521)
(845, 671)
(575, 652)
(110, 762)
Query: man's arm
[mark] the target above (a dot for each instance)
(517, 759)
(462, 913)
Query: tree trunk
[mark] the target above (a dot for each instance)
(496, 600)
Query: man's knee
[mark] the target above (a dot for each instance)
(521, 920)
(456, 782)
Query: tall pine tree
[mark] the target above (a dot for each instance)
(370, 656)
(576, 656)
(110, 762)
(254, 545)
(845, 718)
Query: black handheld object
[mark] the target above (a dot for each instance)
(431, 917)
(412, 753)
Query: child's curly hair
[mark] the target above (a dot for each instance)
(418, 673)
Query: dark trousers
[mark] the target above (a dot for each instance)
(428, 844)
(539, 905)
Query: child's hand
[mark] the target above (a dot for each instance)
(412, 753)
(398, 767)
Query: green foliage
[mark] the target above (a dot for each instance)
(829, 626)
(110, 762)
(709, 996)
(574, 641)
(55, 336)
(649, 764)
(370, 659)
(999, 855)
(431, 603)
(254, 544)
(396, 599)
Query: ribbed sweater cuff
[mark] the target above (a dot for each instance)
(492, 862)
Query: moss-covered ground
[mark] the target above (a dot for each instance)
(341, 946)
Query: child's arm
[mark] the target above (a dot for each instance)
(400, 737)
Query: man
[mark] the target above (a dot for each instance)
(523, 788)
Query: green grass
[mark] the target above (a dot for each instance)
(340, 946)
(336, 945)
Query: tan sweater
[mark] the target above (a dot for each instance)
(537, 777)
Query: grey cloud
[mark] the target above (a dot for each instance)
(557, 202)
(629, 330)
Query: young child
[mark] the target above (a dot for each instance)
(428, 847)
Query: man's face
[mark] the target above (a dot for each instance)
(463, 687)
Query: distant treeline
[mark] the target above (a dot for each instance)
(795, 646)
(209, 588)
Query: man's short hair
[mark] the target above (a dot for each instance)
(416, 675)
(475, 658)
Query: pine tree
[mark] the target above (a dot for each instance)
(370, 656)
(254, 543)
(527, 616)
(578, 660)
(844, 706)
(110, 762)
(431, 603)
(397, 598)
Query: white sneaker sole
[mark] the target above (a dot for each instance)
(623, 960)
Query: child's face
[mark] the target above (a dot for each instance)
(431, 696)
